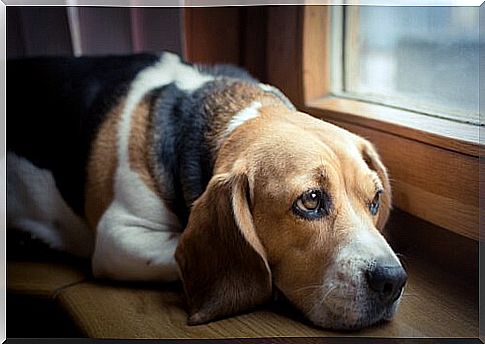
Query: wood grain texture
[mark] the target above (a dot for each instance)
(458, 137)
(40, 278)
(434, 304)
(316, 52)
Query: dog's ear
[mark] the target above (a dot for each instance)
(222, 262)
(372, 159)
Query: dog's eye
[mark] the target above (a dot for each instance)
(311, 204)
(309, 200)
(374, 204)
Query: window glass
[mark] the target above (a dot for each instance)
(424, 59)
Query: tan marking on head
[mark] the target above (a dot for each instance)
(222, 105)
(101, 167)
(140, 144)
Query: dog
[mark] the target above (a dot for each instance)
(159, 170)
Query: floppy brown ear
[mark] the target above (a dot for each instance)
(371, 157)
(222, 263)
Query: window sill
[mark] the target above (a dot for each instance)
(434, 169)
(458, 137)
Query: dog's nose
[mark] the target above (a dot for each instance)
(387, 280)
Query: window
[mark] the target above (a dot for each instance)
(425, 133)
(422, 59)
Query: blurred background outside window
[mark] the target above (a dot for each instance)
(423, 59)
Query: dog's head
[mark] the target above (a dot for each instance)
(297, 205)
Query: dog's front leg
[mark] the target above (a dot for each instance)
(131, 248)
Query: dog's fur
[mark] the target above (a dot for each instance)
(161, 170)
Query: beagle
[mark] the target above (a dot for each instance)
(159, 170)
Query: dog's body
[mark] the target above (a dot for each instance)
(114, 158)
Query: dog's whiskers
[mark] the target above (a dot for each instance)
(315, 286)
(323, 299)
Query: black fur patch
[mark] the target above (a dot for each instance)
(55, 106)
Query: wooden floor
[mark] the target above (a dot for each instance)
(435, 304)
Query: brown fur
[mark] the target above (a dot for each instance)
(221, 106)
(281, 154)
(101, 167)
(140, 155)
(104, 158)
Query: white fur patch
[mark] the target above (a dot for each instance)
(344, 297)
(129, 247)
(266, 88)
(244, 115)
(137, 235)
(35, 205)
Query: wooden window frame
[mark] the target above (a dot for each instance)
(434, 168)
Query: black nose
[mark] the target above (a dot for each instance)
(387, 280)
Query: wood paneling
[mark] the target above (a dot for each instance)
(316, 52)
(253, 40)
(212, 34)
(284, 51)
(235, 35)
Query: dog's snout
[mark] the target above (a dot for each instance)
(387, 281)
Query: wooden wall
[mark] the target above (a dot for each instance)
(235, 35)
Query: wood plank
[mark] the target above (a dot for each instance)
(459, 137)
(115, 310)
(316, 52)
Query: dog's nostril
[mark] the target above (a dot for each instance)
(387, 288)
(387, 281)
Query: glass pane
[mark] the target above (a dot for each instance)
(421, 58)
